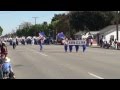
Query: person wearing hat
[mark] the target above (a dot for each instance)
(1, 62)
(6, 67)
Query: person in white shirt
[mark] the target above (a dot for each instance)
(65, 42)
(91, 41)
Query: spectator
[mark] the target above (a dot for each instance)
(6, 67)
(4, 49)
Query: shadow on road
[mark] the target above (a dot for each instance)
(19, 65)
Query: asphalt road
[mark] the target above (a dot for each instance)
(53, 63)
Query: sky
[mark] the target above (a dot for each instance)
(10, 20)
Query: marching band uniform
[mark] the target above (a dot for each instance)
(70, 46)
(65, 42)
(77, 47)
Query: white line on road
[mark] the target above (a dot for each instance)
(43, 54)
(95, 75)
(37, 52)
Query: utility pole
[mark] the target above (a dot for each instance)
(20, 27)
(35, 19)
(35, 24)
(69, 25)
(117, 26)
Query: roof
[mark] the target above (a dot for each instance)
(83, 32)
(80, 33)
(94, 32)
(103, 31)
(108, 29)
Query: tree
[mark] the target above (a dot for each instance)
(45, 28)
(28, 30)
(19, 32)
(93, 20)
(54, 26)
(1, 30)
(24, 29)
(60, 23)
(25, 25)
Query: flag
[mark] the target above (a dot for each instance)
(42, 35)
(60, 35)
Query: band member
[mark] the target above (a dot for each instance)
(84, 46)
(70, 46)
(77, 47)
(14, 43)
(65, 42)
(41, 41)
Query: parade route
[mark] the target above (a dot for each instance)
(53, 63)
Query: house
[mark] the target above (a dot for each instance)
(79, 34)
(109, 32)
(85, 35)
(92, 34)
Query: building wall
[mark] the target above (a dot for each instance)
(107, 37)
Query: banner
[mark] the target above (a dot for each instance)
(76, 42)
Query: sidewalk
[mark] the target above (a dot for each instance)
(96, 46)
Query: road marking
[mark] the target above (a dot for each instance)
(95, 75)
(37, 52)
(43, 54)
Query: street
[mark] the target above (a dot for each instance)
(53, 63)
